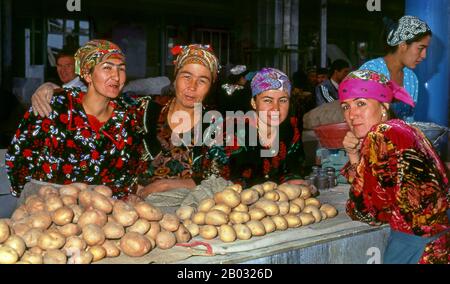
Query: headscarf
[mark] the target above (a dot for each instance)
(408, 28)
(368, 84)
(196, 54)
(94, 52)
(270, 79)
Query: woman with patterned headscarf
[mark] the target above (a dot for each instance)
(265, 144)
(88, 137)
(406, 47)
(396, 176)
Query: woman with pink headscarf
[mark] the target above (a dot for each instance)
(396, 176)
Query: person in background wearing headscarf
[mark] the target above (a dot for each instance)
(235, 94)
(89, 137)
(396, 177)
(269, 130)
(406, 48)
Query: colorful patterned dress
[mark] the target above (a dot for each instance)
(401, 181)
(70, 146)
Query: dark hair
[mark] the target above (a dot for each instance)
(64, 53)
(392, 49)
(338, 65)
(321, 71)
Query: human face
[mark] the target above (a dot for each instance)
(362, 114)
(65, 66)
(275, 103)
(341, 74)
(192, 84)
(108, 78)
(321, 78)
(414, 53)
(312, 78)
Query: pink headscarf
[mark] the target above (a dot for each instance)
(368, 84)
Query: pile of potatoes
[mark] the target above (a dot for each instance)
(78, 225)
(262, 209)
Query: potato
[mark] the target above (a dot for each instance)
(20, 229)
(306, 218)
(32, 258)
(329, 210)
(208, 232)
(93, 235)
(259, 188)
(272, 195)
(40, 220)
(314, 211)
(182, 234)
(52, 203)
(54, 257)
(249, 196)
(222, 207)
(46, 191)
(81, 186)
(101, 202)
(216, 218)
(280, 222)
(85, 198)
(148, 211)
(291, 190)
(155, 228)
(185, 212)
(4, 231)
(92, 216)
(205, 205)
(235, 187)
(312, 201)
(169, 222)
(300, 202)
(84, 257)
(269, 186)
(305, 192)
(257, 214)
(69, 230)
(8, 255)
(77, 211)
(32, 236)
(239, 217)
(324, 215)
(141, 226)
(19, 213)
(187, 222)
(34, 204)
(69, 190)
(294, 209)
(284, 207)
(68, 200)
(269, 207)
(283, 196)
(98, 253)
(269, 225)
(113, 230)
(227, 234)
(62, 216)
(199, 218)
(51, 240)
(256, 227)
(103, 190)
(242, 231)
(293, 220)
(228, 197)
(241, 208)
(74, 245)
(165, 240)
(193, 229)
(111, 249)
(16, 243)
(124, 214)
(36, 250)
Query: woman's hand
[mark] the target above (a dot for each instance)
(297, 182)
(352, 146)
(162, 185)
(41, 99)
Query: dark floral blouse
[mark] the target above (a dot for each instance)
(243, 164)
(70, 146)
(401, 181)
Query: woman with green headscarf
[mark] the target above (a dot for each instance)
(88, 137)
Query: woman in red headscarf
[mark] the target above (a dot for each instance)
(396, 176)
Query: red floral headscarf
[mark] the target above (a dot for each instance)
(196, 54)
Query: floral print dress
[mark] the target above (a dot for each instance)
(70, 146)
(401, 181)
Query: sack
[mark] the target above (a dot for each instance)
(329, 113)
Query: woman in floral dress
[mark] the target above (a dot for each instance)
(396, 176)
(88, 137)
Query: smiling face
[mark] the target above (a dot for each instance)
(192, 84)
(413, 54)
(108, 78)
(65, 66)
(362, 114)
(275, 103)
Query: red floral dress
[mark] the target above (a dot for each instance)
(401, 181)
(69, 147)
